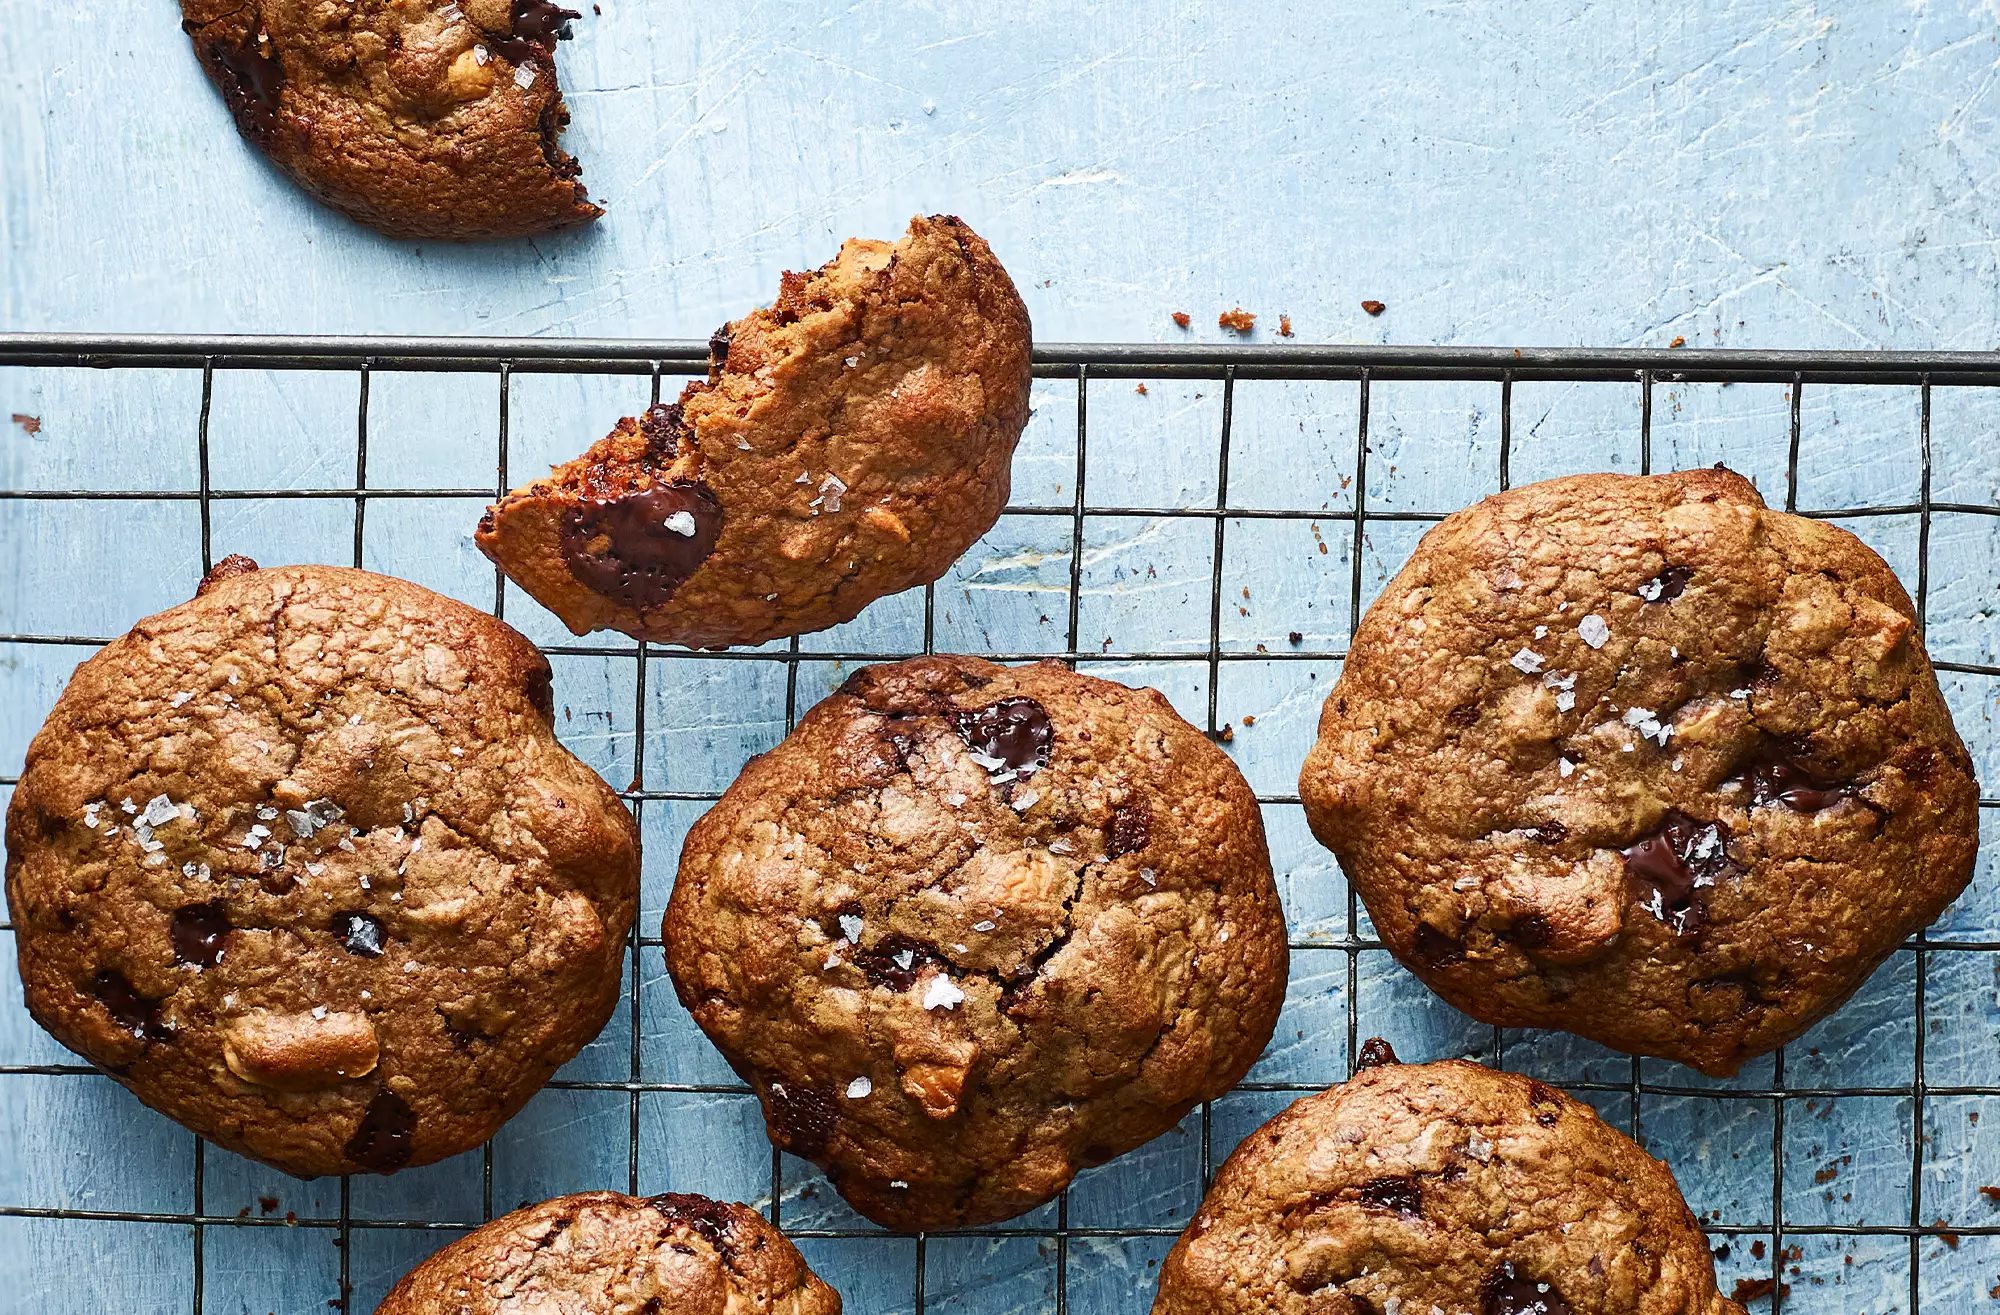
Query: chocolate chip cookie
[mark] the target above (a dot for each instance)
(849, 442)
(1441, 1187)
(972, 928)
(1641, 758)
(301, 863)
(419, 118)
(604, 1252)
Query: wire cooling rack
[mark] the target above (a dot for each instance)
(1819, 1194)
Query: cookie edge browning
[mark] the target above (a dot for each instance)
(516, 663)
(437, 1282)
(1259, 1018)
(521, 532)
(217, 26)
(1182, 1293)
(1332, 821)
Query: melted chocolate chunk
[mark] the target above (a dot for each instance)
(718, 349)
(197, 931)
(639, 548)
(1375, 1052)
(227, 569)
(894, 961)
(899, 746)
(1672, 866)
(1011, 735)
(1436, 948)
(130, 1010)
(711, 1219)
(1776, 777)
(1549, 833)
(361, 933)
(250, 81)
(663, 427)
(1667, 585)
(385, 1138)
(801, 1117)
(538, 25)
(1405, 1196)
(1509, 1292)
(539, 687)
(1530, 932)
(1131, 828)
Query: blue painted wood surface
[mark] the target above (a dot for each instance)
(1755, 174)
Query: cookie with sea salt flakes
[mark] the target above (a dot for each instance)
(850, 442)
(1442, 1187)
(971, 928)
(301, 863)
(603, 1253)
(419, 118)
(1640, 758)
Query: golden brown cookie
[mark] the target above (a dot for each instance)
(1440, 1187)
(1641, 758)
(971, 928)
(302, 864)
(602, 1253)
(850, 442)
(420, 118)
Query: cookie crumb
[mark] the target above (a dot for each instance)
(1678, 342)
(1141, 390)
(1182, 319)
(30, 425)
(1236, 321)
(1374, 307)
(1284, 326)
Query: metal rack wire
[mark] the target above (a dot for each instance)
(1232, 366)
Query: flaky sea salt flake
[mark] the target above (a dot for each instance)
(942, 993)
(1527, 662)
(859, 1089)
(1594, 631)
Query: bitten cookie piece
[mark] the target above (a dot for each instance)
(1440, 1187)
(419, 118)
(1640, 758)
(849, 442)
(970, 929)
(301, 863)
(602, 1252)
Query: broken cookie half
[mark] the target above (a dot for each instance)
(850, 441)
(419, 118)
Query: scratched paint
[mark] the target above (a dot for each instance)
(1752, 174)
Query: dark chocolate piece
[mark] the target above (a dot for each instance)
(1509, 1292)
(640, 547)
(197, 931)
(1013, 735)
(1675, 864)
(384, 1140)
(801, 1117)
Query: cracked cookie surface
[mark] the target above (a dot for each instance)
(1640, 758)
(971, 928)
(603, 1253)
(302, 864)
(419, 118)
(1441, 1187)
(849, 442)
